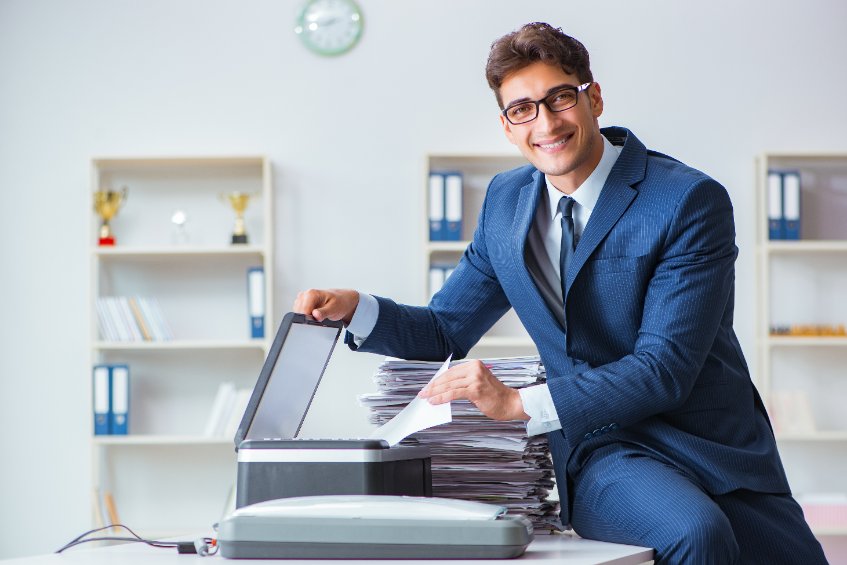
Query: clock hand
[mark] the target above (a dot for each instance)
(327, 21)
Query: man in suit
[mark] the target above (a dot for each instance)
(619, 261)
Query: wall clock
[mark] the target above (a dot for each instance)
(330, 27)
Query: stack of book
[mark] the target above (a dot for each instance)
(133, 318)
(227, 410)
(473, 457)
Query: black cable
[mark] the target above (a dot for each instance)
(180, 545)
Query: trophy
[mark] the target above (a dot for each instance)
(238, 201)
(106, 204)
(180, 234)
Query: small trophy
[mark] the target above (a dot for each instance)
(180, 234)
(238, 201)
(106, 204)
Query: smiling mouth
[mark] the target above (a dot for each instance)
(554, 145)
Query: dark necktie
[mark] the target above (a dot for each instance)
(568, 241)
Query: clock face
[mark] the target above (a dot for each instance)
(330, 27)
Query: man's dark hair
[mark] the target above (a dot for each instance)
(532, 43)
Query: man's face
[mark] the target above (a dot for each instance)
(566, 146)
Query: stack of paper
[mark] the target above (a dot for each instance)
(473, 457)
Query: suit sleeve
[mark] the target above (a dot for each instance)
(468, 304)
(685, 307)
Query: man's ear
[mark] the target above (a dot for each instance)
(507, 129)
(596, 98)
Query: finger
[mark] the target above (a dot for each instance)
(447, 396)
(456, 389)
(460, 371)
(449, 379)
(308, 300)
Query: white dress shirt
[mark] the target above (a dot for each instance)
(547, 237)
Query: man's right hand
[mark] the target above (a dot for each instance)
(333, 303)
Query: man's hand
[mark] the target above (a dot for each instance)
(333, 303)
(473, 381)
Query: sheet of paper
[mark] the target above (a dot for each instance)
(418, 415)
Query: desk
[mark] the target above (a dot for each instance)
(559, 549)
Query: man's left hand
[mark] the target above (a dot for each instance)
(474, 381)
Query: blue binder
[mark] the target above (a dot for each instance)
(256, 301)
(120, 399)
(436, 206)
(101, 400)
(774, 205)
(453, 206)
(791, 204)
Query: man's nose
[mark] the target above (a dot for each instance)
(545, 116)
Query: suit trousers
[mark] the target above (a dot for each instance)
(628, 495)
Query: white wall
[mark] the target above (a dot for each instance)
(713, 84)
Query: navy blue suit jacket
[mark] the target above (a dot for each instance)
(649, 358)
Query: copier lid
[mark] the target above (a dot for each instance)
(289, 378)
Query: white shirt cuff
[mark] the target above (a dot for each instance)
(538, 405)
(364, 318)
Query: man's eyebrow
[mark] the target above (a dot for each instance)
(550, 91)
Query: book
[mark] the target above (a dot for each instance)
(221, 407)
(239, 406)
(140, 320)
(111, 509)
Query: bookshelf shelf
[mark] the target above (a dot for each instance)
(829, 531)
(165, 251)
(197, 289)
(154, 440)
(800, 282)
(820, 436)
(800, 246)
(806, 341)
(261, 345)
(448, 246)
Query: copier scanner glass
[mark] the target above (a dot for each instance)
(289, 378)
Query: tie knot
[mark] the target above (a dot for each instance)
(566, 206)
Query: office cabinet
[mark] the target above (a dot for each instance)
(802, 312)
(174, 248)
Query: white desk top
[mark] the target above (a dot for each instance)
(559, 549)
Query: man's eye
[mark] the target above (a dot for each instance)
(565, 96)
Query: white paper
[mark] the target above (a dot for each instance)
(418, 415)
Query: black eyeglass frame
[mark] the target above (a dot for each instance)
(538, 103)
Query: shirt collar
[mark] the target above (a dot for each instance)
(588, 192)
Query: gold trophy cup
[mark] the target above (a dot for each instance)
(106, 204)
(238, 201)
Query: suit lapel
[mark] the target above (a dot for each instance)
(615, 198)
(524, 217)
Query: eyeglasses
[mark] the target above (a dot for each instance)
(563, 99)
